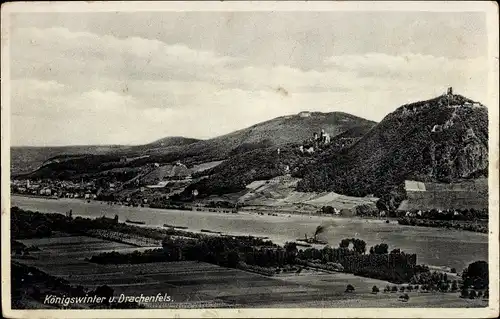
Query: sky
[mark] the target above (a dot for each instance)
(134, 77)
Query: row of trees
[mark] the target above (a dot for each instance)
(24, 225)
(470, 226)
(358, 245)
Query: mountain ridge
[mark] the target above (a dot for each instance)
(275, 132)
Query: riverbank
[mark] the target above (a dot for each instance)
(473, 226)
(432, 245)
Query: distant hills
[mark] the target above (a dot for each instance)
(26, 159)
(275, 132)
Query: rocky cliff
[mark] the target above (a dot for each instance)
(442, 139)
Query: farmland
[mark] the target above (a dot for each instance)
(199, 284)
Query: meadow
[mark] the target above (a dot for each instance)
(198, 284)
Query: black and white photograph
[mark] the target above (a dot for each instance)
(250, 159)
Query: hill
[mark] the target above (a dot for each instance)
(273, 133)
(25, 159)
(280, 131)
(234, 174)
(444, 139)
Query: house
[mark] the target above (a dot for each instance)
(45, 191)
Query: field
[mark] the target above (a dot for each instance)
(279, 193)
(198, 284)
(426, 196)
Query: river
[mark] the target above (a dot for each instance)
(433, 246)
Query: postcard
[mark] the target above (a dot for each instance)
(250, 159)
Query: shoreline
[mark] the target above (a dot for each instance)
(281, 228)
(288, 216)
(274, 239)
(221, 211)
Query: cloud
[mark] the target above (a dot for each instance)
(411, 66)
(86, 88)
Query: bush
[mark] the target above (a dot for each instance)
(380, 249)
(476, 275)
(464, 293)
(472, 294)
(349, 288)
(486, 294)
(375, 289)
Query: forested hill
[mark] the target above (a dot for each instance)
(277, 132)
(443, 139)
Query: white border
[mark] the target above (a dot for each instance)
(490, 8)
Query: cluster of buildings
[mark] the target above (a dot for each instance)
(58, 189)
(316, 142)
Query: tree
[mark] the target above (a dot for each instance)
(472, 294)
(106, 292)
(375, 289)
(43, 231)
(291, 252)
(359, 245)
(233, 259)
(349, 288)
(381, 249)
(453, 270)
(476, 275)
(464, 293)
(394, 289)
(486, 294)
(444, 286)
(402, 288)
(396, 251)
(344, 243)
